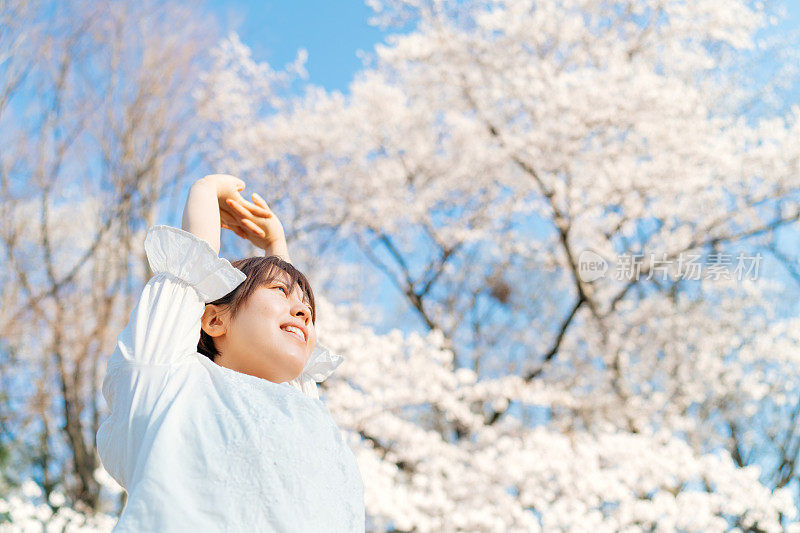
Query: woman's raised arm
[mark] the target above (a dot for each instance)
(207, 197)
(256, 222)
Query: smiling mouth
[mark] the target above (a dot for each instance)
(298, 336)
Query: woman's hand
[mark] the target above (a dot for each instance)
(227, 188)
(256, 222)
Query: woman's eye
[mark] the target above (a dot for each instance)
(285, 291)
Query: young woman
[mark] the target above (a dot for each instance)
(215, 421)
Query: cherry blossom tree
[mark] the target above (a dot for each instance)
(29, 509)
(97, 129)
(484, 151)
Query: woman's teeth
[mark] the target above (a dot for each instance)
(294, 331)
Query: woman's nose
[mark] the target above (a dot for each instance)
(302, 311)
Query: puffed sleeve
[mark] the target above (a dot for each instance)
(162, 330)
(165, 325)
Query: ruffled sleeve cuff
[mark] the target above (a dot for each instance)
(192, 260)
(321, 364)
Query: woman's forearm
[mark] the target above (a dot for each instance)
(201, 213)
(279, 248)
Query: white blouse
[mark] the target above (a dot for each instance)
(200, 447)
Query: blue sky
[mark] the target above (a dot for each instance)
(331, 31)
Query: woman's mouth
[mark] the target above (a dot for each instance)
(295, 332)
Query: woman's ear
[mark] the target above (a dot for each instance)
(214, 320)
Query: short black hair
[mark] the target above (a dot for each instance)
(259, 271)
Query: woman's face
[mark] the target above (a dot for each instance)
(271, 336)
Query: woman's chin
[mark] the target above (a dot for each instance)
(294, 367)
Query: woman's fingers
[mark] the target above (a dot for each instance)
(249, 224)
(234, 228)
(243, 211)
(253, 208)
(261, 203)
(239, 232)
(237, 229)
(232, 223)
(246, 222)
(238, 208)
(228, 221)
(225, 216)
